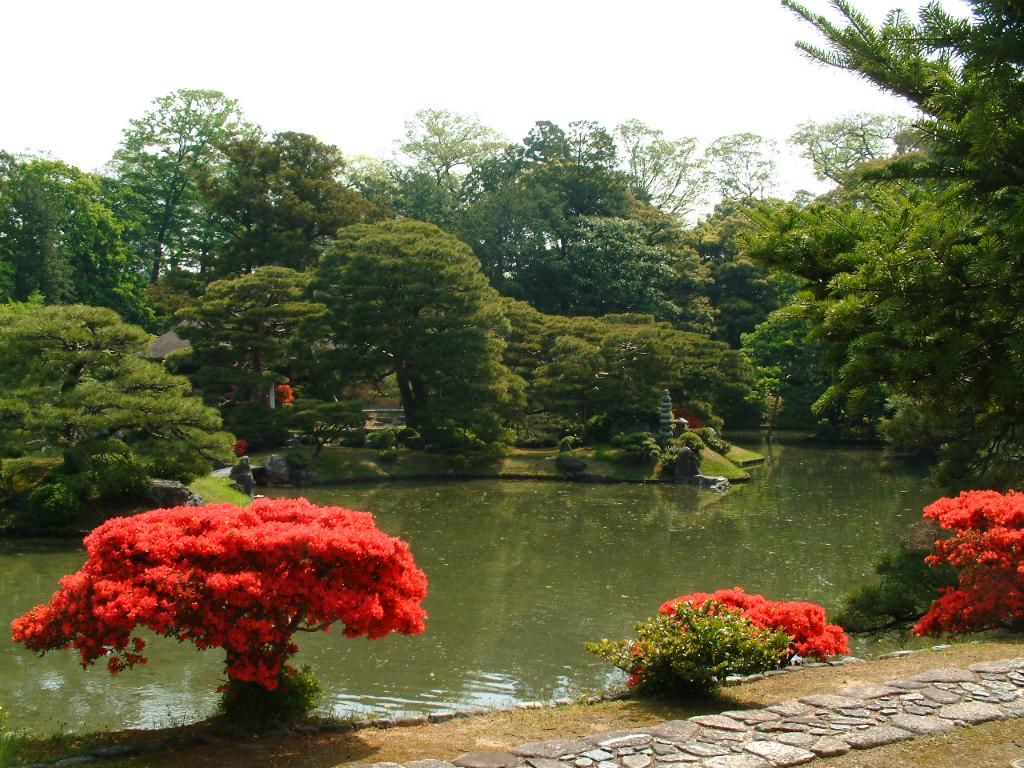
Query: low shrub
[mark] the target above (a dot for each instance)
(713, 440)
(250, 707)
(171, 462)
(637, 447)
(409, 437)
(388, 455)
(53, 505)
(352, 438)
(381, 439)
(803, 622)
(565, 445)
(906, 586)
(457, 440)
(693, 649)
(691, 440)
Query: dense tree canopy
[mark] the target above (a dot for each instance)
(73, 380)
(406, 299)
(914, 283)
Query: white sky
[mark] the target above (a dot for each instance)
(352, 72)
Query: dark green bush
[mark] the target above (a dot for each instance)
(119, 476)
(543, 430)
(691, 440)
(381, 439)
(693, 650)
(597, 429)
(637, 447)
(712, 440)
(457, 440)
(171, 462)
(352, 438)
(902, 593)
(262, 427)
(388, 455)
(20, 476)
(409, 437)
(565, 445)
(251, 708)
(53, 505)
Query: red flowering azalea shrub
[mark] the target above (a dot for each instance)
(241, 447)
(245, 580)
(987, 551)
(804, 622)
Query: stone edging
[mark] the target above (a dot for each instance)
(787, 733)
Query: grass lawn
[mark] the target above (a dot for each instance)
(742, 457)
(217, 490)
(345, 465)
(992, 744)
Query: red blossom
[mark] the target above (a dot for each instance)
(220, 576)
(804, 622)
(987, 551)
(241, 447)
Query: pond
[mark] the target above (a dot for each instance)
(521, 575)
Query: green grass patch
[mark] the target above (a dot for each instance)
(218, 490)
(716, 464)
(743, 457)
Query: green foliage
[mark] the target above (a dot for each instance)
(20, 476)
(840, 146)
(409, 437)
(245, 332)
(251, 708)
(692, 440)
(53, 505)
(712, 440)
(158, 163)
(72, 379)
(322, 422)
(388, 455)
(280, 201)
(64, 239)
(381, 439)
(457, 441)
(260, 426)
(117, 474)
(904, 589)
(915, 271)
(404, 298)
(565, 445)
(637, 447)
(693, 650)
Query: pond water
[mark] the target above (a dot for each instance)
(521, 575)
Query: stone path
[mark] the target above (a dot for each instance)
(787, 733)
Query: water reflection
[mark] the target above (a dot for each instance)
(521, 575)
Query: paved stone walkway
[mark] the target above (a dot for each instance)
(787, 733)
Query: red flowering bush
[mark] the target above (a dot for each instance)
(241, 447)
(803, 622)
(987, 552)
(220, 576)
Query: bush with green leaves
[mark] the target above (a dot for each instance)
(637, 447)
(691, 440)
(409, 437)
(457, 440)
(693, 650)
(249, 707)
(381, 439)
(262, 427)
(713, 440)
(20, 476)
(53, 505)
(388, 455)
(116, 474)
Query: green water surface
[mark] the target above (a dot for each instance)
(521, 575)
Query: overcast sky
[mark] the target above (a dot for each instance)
(351, 73)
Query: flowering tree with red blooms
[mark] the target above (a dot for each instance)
(242, 579)
(987, 551)
(804, 622)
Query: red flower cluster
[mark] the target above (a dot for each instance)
(987, 550)
(804, 622)
(242, 579)
(241, 447)
(284, 394)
